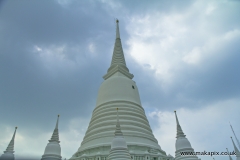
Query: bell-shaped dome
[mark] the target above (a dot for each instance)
(182, 143)
(53, 148)
(118, 142)
(118, 87)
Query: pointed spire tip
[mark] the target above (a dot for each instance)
(179, 128)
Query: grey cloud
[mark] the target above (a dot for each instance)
(29, 91)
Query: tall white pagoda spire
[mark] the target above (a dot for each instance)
(119, 150)
(118, 63)
(230, 158)
(53, 149)
(8, 154)
(118, 90)
(235, 135)
(182, 144)
(236, 150)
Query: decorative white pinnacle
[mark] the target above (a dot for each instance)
(55, 135)
(118, 56)
(118, 131)
(230, 158)
(10, 147)
(118, 63)
(235, 135)
(236, 149)
(8, 154)
(179, 128)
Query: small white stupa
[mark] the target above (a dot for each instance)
(119, 150)
(8, 154)
(230, 158)
(53, 149)
(236, 150)
(182, 144)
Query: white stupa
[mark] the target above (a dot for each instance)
(230, 158)
(118, 90)
(8, 154)
(236, 150)
(182, 144)
(119, 149)
(53, 149)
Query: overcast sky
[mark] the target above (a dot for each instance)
(184, 56)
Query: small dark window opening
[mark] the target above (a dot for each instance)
(133, 87)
